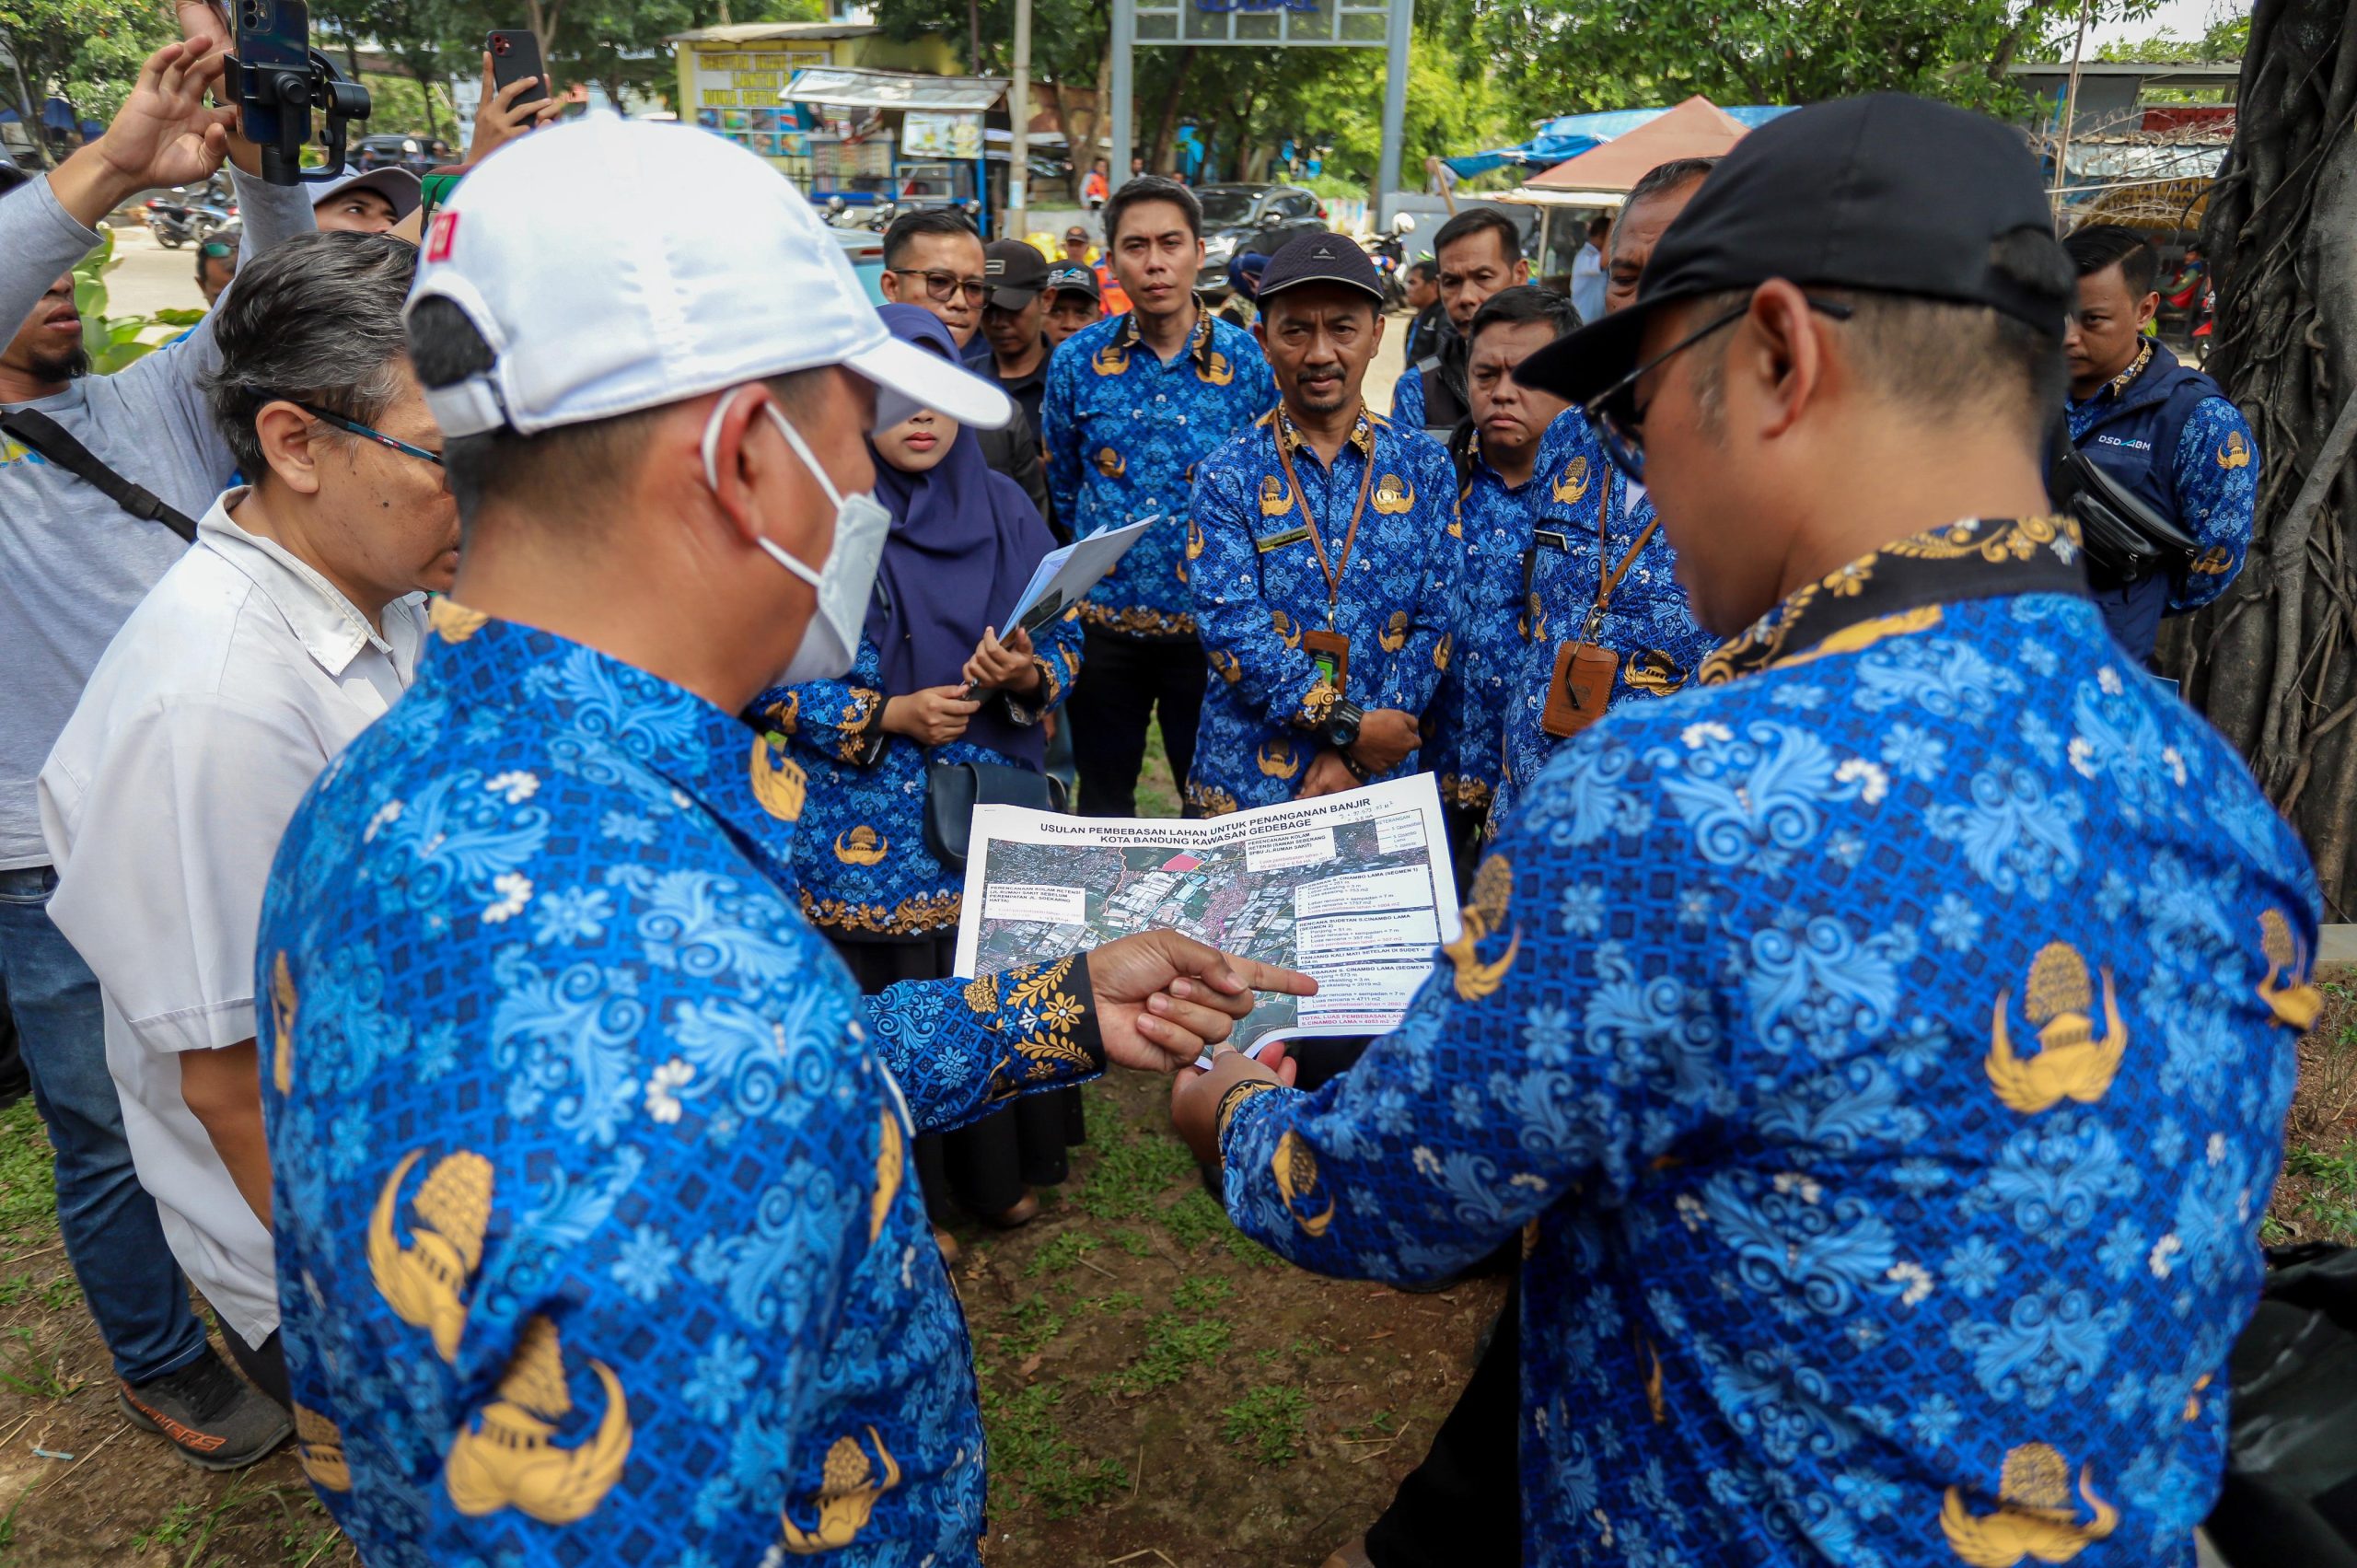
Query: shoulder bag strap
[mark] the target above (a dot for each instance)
(46, 437)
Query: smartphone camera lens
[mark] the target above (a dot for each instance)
(499, 45)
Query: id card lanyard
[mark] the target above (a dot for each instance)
(1606, 583)
(1332, 568)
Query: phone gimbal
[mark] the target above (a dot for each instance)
(285, 94)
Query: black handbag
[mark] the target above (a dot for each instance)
(952, 790)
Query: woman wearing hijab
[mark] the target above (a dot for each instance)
(931, 683)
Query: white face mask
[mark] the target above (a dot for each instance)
(849, 574)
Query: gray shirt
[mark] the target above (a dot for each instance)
(73, 564)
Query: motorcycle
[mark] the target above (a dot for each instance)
(176, 222)
(1390, 254)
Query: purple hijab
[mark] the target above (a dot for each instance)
(964, 541)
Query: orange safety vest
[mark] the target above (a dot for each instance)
(1116, 298)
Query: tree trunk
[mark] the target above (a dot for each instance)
(425, 76)
(34, 125)
(2274, 662)
(1168, 127)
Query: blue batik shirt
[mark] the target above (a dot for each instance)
(2212, 477)
(596, 1236)
(1647, 625)
(1123, 432)
(1881, 1047)
(862, 866)
(1407, 397)
(1259, 586)
(1485, 665)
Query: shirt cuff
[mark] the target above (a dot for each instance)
(207, 1027)
(1046, 1018)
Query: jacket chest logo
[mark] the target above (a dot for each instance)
(2235, 453)
(1110, 463)
(1573, 482)
(1393, 495)
(1111, 360)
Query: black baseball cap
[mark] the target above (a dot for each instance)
(1320, 257)
(1074, 279)
(1015, 273)
(1885, 193)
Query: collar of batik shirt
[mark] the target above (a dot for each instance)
(1198, 344)
(709, 756)
(1361, 433)
(1900, 587)
(2117, 388)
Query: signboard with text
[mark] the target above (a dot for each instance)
(1347, 23)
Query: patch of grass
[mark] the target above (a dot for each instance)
(1111, 1305)
(1062, 1255)
(28, 1180)
(1200, 1293)
(1028, 1451)
(1130, 1172)
(1133, 1242)
(1381, 1425)
(174, 1528)
(1194, 1220)
(29, 1374)
(1244, 1249)
(1269, 1421)
(1173, 1348)
(1032, 1322)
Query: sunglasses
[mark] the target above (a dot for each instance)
(1618, 419)
(355, 427)
(940, 285)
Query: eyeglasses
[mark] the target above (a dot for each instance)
(940, 285)
(1620, 423)
(355, 427)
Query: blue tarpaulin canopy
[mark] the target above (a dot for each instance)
(1567, 136)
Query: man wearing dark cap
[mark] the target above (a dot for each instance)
(1881, 1047)
(1012, 314)
(1323, 563)
(1073, 303)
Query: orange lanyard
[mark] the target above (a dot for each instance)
(1605, 583)
(1333, 569)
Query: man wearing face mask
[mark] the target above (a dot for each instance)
(594, 1218)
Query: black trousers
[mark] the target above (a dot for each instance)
(984, 1164)
(1122, 682)
(1462, 1507)
(265, 1367)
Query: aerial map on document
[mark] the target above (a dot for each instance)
(1355, 888)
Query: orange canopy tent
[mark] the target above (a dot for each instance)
(1697, 128)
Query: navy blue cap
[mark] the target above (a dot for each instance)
(1320, 257)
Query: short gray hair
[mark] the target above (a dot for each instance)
(316, 320)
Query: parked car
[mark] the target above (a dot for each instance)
(865, 248)
(413, 153)
(1238, 219)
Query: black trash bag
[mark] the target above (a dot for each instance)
(2291, 1490)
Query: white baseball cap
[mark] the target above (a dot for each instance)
(396, 185)
(617, 265)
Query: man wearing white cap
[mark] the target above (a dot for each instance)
(595, 1237)
(370, 202)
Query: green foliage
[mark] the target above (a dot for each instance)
(1132, 1170)
(2225, 39)
(1269, 1421)
(178, 1524)
(26, 1370)
(1061, 1256)
(28, 1182)
(170, 316)
(1032, 1323)
(1173, 1347)
(1195, 1220)
(1130, 1241)
(1028, 1451)
(86, 52)
(112, 342)
(1200, 1293)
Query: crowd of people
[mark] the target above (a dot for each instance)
(476, 899)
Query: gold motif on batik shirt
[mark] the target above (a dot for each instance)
(785, 715)
(1493, 893)
(1277, 760)
(1319, 702)
(2193, 1410)
(1230, 668)
(318, 1449)
(891, 1161)
(1394, 636)
(1442, 649)
(848, 1492)
(1655, 1403)
(1276, 496)
(281, 1025)
(2071, 1062)
(2235, 452)
(1137, 620)
(1047, 1015)
(981, 993)
(1214, 369)
(1572, 483)
(2213, 563)
(1393, 495)
(510, 1461)
(2293, 1000)
(1110, 463)
(2034, 1516)
(916, 914)
(1652, 672)
(425, 1283)
(1209, 800)
(1295, 1166)
(863, 845)
(453, 621)
(1194, 540)
(1288, 629)
(778, 781)
(1111, 360)
(1994, 540)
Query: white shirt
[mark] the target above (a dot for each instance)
(1587, 283)
(232, 685)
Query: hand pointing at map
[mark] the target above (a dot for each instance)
(1163, 999)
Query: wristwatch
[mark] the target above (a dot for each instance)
(1340, 729)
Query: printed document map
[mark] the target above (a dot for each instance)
(1356, 889)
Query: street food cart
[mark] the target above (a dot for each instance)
(911, 140)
